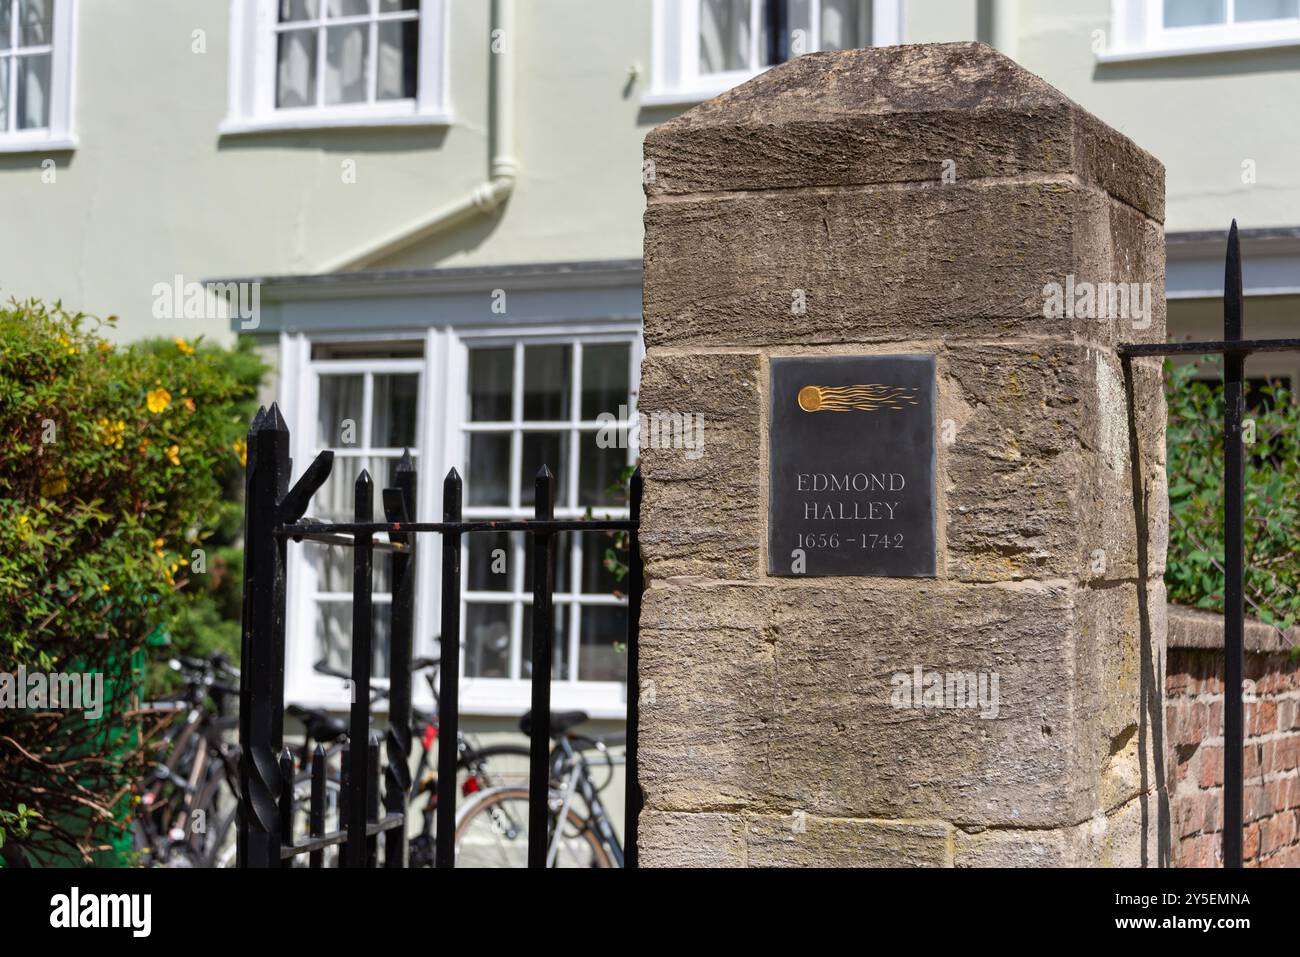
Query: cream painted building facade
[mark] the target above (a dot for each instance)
(437, 204)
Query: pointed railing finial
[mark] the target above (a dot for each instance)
(274, 420)
(1232, 291)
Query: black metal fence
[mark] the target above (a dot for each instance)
(273, 515)
(1234, 350)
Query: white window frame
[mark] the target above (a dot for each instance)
(363, 449)
(675, 78)
(58, 135)
(1138, 33)
(251, 101)
(506, 694)
(442, 444)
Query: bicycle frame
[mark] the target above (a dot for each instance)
(575, 780)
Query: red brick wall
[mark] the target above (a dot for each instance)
(1194, 748)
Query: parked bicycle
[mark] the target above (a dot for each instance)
(492, 829)
(479, 767)
(197, 784)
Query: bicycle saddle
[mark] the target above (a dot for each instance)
(561, 721)
(319, 724)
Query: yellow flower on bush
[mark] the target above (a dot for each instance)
(55, 485)
(241, 449)
(110, 433)
(157, 400)
(189, 404)
(174, 454)
(184, 346)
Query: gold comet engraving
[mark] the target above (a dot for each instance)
(856, 398)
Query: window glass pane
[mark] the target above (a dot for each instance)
(346, 62)
(546, 383)
(604, 379)
(33, 92)
(338, 415)
(333, 501)
(841, 26)
(1246, 10)
(724, 35)
(392, 6)
(394, 411)
(487, 640)
(334, 636)
(399, 59)
(490, 384)
(4, 95)
(335, 569)
(348, 8)
(35, 19)
(597, 578)
(6, 20)
(299, 10)
(560, 644)
(1194, 13)
(296, 72)
(344, 496)
(488, 482)
(602, 652)
(600, 469)
(543, 448)
(488, 558)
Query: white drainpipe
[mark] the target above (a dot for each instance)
(502, 171)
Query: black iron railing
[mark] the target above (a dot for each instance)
(1234, 350)
(273, 515)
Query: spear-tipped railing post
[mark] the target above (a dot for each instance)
(261, 685)
(399, 508)
(362, 659)
(449, 676)
(539, 746)
(1234, 365)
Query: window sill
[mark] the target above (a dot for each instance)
(1158, 53)
(688, 97)
(47, 144)
(326, 120)
(479, 697)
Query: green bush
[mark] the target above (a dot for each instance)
(116, 472)
(1194, 573)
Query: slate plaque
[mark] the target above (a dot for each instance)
(851, 488)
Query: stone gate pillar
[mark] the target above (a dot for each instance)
(970, 245)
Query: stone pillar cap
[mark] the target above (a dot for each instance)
(893, 115)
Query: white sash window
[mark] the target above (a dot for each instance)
(319, 63)
(36, 61)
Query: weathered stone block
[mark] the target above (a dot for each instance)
(800, 840)
(691, 840)
(1038, 472)
(968, 260)
(894, 115)
(778, 696)
(706, 516)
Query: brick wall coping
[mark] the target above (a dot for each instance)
(1193, 628)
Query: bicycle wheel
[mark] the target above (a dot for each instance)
(493, 832)
(495, 766)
